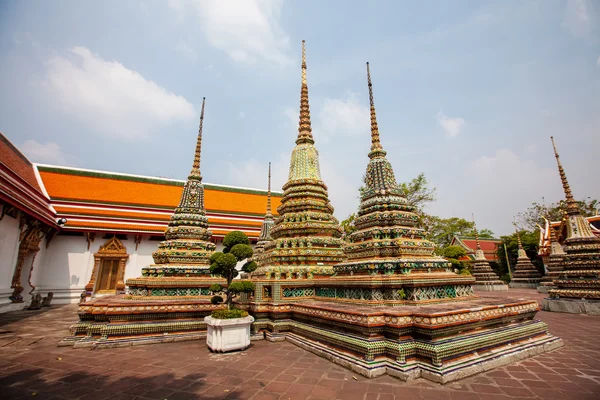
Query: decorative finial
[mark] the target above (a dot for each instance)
(376, 148)
(476, 233)
(572, 207)
(269, 193)
(304, 128)
(196, 166)
(518, 237)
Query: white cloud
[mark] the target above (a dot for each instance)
(111, 98)
(253, 173)
(247, 30)
(508, 184)
(452, 125)
(598, 62)
(187, 51)
(49, 152)
(577, 17)
(242, 115)
(343, 117)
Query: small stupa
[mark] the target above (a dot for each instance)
(578, 285)
(306, 236)
(181, 263)
(526, 274)
(554, 260)
(169, 301)
(485, 277)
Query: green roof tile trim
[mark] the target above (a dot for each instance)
(156, 181)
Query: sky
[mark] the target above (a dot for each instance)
(467, 92)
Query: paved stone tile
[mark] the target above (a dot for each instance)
(32, 363)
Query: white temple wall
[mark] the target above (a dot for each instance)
(67, 268)
(140, 258)
(9, 249)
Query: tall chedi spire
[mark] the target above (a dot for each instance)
(388, 240)
(265, 230)
(578, 282)
(485, 277)
(184, 255)
(526, 274)
(306, 236)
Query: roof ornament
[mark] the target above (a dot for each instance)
(476, 233)
(376, 148)
(195, 173)
(304, 127)
(572, 207)
(269, 193)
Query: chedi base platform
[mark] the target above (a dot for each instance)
(116, 321)
(441, 343)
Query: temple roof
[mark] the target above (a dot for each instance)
(100, 200)
(560, 230)
(19, 185)
(488, 245)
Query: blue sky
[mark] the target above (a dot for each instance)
(467, 92)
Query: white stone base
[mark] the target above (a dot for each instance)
(62, 296)
(490, 288)
(228, 334)
(544, 288)
(523, 285)
(572, 306)
(6, 305)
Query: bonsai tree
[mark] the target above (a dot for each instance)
(236, 248)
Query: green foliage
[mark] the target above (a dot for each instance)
(241, 287)
(236, 248)
(233, 238)
(241, 251)
(249, 266)
(531, 217)
(455, 252)
(215, 288)
(418, 193)
(216, 300)
(442, 230)
(530, 240)
(348, 224)
(505, 278)
(224, 264)
(229, 314)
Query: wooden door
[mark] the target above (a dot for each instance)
(108, 276)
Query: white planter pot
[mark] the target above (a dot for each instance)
(228, 334)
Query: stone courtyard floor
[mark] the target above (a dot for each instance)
(32, 365)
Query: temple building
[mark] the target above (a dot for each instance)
(67, 230)
(577, 284)
(489, 247)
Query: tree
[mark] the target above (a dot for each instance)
(442, 230)
(236, 248)
(454, 252)
(532, 216)
(418, 193)
(348, 224)
(530, 241)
